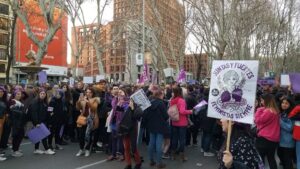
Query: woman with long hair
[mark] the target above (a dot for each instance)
(267, 120)
(179, 127)
(88, 108)
(287, 144)
(38, 113)
(120, 104)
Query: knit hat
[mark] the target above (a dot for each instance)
(2, 88)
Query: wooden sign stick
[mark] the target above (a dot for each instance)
(228, 135)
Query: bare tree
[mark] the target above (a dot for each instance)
(51, 12)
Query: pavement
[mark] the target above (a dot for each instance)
(66, 159)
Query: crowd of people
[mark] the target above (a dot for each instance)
(103, 117)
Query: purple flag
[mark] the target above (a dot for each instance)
(38, 133)
(42, 77)
(181, 76)
(144, 75)
(295, 82)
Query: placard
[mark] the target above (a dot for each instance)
(233, 90)
(141, 99)
(99, 77)
(295, 82)
(285, 80)
(88, 80)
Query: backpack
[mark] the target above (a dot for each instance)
(173, 113)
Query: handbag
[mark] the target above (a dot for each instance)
(81, 120)
(173, 113)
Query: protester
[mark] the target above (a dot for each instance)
(287, 144)
(179, 127)
(18, 120)
(242, 153)
(57, 119)
(155, 119)
(89, 120)
(268, 125)
(3, 115)
(295, 115)
(119, 104)
(38, 113)
(128, 129)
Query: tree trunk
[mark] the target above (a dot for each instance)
(42, 50)
(11, 49)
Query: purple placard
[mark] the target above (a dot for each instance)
(42, 77)
(38, 133)
(295, 82)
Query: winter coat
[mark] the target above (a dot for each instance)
(268, 124)
(59, 114)
(155, 117)
(183, 112)
(294, 114)
(286, 132)
(17, 116)
(38, 112)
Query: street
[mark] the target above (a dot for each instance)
(66, 159)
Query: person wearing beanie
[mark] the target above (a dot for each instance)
(38, 114)
(18, 121)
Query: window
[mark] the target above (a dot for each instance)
(4, 24)
(123, 77)
(2, 54)
(3, 39)
(4, 9)
(2, 68)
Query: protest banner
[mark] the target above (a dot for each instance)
(295, 82)
(285, 80)
(233, 90)
(100, 77)
(88, 79)
(42, 77)
(141, 99)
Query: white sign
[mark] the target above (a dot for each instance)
(233, 90)
(285, 80)
(141, 99)
(139, 59)
(72, 82)
(99, 77)
(88, 80)
(168, 72)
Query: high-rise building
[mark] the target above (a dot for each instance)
(164, 33)
(5, 20)
(164, 40)
(197, 65)
(87, 63)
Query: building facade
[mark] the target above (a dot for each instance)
(164, 34)
(5, 30)
(197, 65)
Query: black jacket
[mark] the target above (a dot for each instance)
(155, 117)
(37, 112)
(59, 115)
